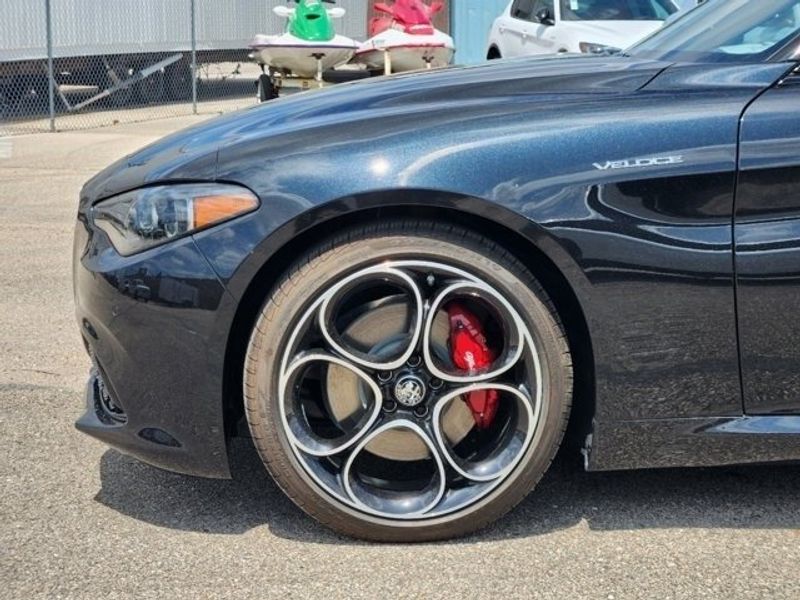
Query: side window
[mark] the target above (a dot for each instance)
(523, 9)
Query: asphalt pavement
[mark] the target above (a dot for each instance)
(78, 520)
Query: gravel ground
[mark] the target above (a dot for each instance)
(80, 521)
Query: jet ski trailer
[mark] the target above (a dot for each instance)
(404, 38)
(300, 56)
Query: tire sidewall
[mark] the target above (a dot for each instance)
(286, 306)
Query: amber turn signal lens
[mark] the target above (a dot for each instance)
(145, 218)
(213, 209)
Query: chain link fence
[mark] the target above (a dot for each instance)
(73, 64)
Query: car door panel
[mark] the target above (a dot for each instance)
(517, 28)
(521, 34)
(540, 38)
(767, 237)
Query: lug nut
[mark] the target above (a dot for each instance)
(414, 361)
(436, 384)
(389, 406)
(385, 376)
(421, 411)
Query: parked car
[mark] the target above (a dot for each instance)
(589, 26)
(406, 288)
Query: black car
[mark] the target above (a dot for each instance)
(407, 288)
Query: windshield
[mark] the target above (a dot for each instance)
(725, 31)
(616, 10)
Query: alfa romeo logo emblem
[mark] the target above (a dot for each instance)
(409, 391)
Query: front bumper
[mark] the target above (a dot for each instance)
(152, 445)
(156, 326)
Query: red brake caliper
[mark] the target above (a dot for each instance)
(470, 353)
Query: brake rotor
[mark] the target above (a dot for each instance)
(377, 329)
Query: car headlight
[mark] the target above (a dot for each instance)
(590, 48)
(147, 217)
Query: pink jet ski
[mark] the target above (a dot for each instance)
(404, 38)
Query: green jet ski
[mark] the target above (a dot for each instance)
(309, 46)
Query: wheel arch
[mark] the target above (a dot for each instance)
(528, 242)
(493, 52)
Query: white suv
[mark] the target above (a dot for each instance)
(589, 26)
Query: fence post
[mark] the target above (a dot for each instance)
(194, 57)
(50, 72)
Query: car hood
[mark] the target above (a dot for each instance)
(618, 34)
(191, 154)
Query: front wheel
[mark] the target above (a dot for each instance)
(407, 382)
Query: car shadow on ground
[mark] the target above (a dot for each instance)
(741, 497)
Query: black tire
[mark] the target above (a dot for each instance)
(345, 75)
(266, 88)
(375, 244)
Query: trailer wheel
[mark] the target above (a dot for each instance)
(150, 90)
(345, 75)
(266, 88)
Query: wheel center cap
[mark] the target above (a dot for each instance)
(410, 391)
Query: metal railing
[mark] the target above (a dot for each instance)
(73, 64)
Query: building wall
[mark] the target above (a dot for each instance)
(102, 27)
(471, 22)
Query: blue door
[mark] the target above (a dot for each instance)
(471, 22)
